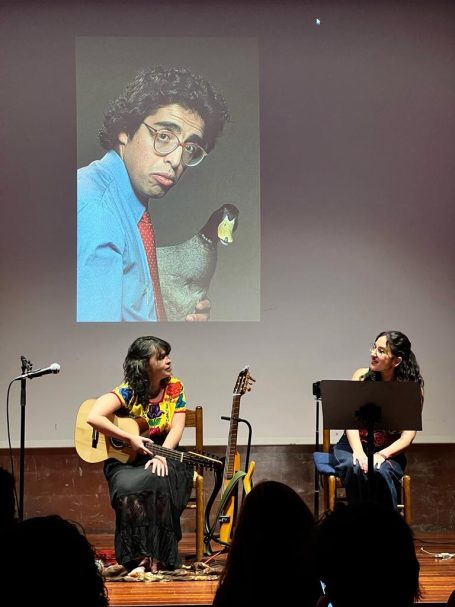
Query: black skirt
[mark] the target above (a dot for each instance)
(148, 510)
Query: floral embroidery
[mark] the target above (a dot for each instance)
(154, 411)
(173, 390)
(158, 415)
(125, 393)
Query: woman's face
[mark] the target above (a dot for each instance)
(159, 367)
(382, 359)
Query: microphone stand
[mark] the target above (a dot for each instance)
(26, 367)
(317, 396)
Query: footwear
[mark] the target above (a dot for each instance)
(148, 563)
(137, 572)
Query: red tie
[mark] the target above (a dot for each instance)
(148, 239)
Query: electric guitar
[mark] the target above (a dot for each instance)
(232, 474)
(93, 446)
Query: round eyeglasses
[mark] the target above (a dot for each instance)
(165, 142)
(380, 351)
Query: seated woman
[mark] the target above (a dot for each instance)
(150, 493)
(391, 360)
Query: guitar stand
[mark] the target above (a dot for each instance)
(248, 445)
(210, 529)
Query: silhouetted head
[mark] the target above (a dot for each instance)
(50, 561)
(365, 554)
(7, 499)
(274, 531)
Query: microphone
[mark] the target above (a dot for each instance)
(53, 368)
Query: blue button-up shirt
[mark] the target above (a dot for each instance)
(113, 277)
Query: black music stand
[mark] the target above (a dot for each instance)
(371, 405)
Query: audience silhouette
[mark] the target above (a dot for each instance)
(48, 560)
(365, 555)
(7, 500)
(270, 560)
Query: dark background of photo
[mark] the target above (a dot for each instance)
(357, 189)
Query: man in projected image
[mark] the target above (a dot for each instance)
(165, 121)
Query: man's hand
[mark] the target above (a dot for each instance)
(201, 311)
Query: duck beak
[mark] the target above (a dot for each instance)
(225, 231)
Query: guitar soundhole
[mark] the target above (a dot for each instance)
(117, 443)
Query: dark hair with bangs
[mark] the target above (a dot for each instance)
(135, 366)
(158, 87)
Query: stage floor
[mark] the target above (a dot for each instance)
(437, 576)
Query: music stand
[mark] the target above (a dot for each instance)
(371, 405)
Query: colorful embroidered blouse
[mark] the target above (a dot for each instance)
(382, 438)
(159, 416)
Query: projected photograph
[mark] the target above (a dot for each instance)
(168, 179)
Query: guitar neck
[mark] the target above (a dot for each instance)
(232, 439)
(186, 457)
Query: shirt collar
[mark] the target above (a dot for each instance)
(115, 165)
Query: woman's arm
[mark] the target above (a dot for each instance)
(358, 453)
(401, 444)
(398, 446)
(100, 417)
(176, 431)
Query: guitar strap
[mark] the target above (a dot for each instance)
(224, 498)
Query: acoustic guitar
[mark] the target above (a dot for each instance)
(232, 474)
(93, 446)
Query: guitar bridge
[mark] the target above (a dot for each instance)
(224, 519)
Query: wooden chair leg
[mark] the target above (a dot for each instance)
(406, 491)
(332, 486)
(325, 488)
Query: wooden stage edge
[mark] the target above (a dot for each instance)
(437, 577)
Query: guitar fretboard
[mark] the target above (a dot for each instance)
(232, 439)
(186, 457)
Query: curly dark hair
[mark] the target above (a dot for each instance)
(408, 369)
(135, 366)
(157, 87)
(61, 551)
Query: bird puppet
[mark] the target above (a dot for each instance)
(187, 268)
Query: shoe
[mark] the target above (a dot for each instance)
(137, 572)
